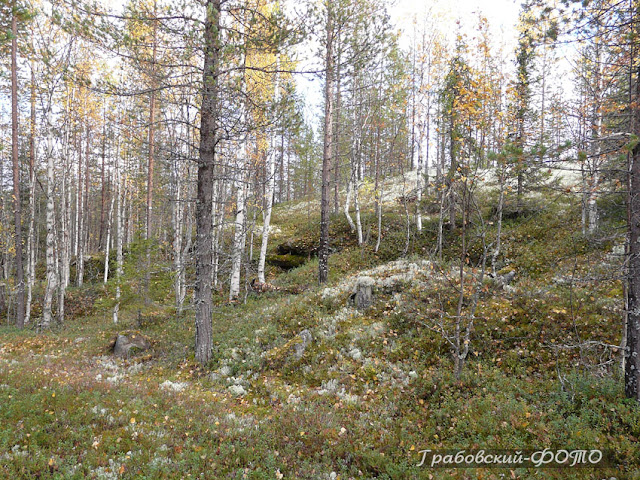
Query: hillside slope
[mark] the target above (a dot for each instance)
(308, 386)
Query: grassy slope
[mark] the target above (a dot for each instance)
(371, 390)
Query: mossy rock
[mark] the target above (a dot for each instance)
(286, 262)
(300, 248)
(129, 343)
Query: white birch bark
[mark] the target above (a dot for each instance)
(185, 250)
(31, 251)
(50, 241)
(592, 206)
(32, 205)
(62, 235)
(218, 224)
(498, 244)
(239, 235)
(347, 201)
(77, 224)
(379, 215)
(119, 239)
(594, 181)
(108, 242)
(271, 185)
(356, 203)
(177, 217)
(357, 178)
(81, 228)
(271, 181)
(65, 215)
(85, 213)
(419, 180)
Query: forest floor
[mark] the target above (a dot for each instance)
(370, 390)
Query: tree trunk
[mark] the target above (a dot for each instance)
(594, 183)
(120, 194)
(267, 217)
(204, 196)
(31, 248)
(185, 251)
(16, 170)
(462, 341)
(439, 241)
(51, 238)
(78, 219)
(177, 218)
(64, 248)
(323, 252)
(107, 245)
(239, 235)
(102, 183)
(379, 216)
(347, 201)
(378, 189)
(268, 195)
(6, 257)
(84, 216)
(356, 204)
(496, 250)
(336, 125)
(419, 182)
(632, 364)
(218, 225)
(151, 164)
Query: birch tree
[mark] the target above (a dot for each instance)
(268, 200)
(17, 204)
(327, 151)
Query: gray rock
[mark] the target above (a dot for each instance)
(618, 250)
(237, 390)
(129, 343)
(616, 254)
(508, 278)
(504, 280)
(305, 338)
(355, 353)
(362, 296)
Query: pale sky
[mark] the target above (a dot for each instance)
(502, 16)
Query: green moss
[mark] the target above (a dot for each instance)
(286, 262)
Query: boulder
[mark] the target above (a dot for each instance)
(127, 344)
(286, 261)
(305, 339)
(237, 390)
(298, 248)
(362, 296)
(507, 278)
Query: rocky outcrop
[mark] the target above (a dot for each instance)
(127, 344)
